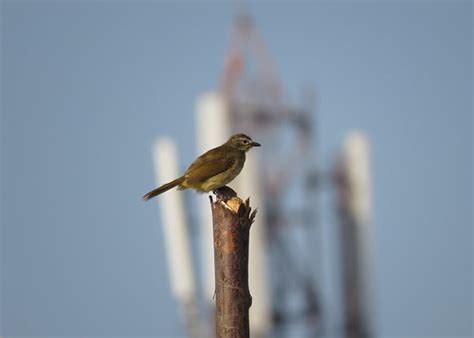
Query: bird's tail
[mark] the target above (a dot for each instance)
(163, 188)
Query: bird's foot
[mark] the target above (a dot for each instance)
(224, 193)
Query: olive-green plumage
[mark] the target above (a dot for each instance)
(213, 169)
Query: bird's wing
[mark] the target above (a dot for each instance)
(209, 164)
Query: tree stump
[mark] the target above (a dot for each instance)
(231, 218)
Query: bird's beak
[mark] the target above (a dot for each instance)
(255, 144)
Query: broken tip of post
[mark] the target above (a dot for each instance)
(228, 198)
(233, 204)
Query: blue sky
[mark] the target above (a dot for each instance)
(87, 86)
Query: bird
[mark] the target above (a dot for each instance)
(213, 169)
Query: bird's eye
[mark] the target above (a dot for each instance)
(246, 141)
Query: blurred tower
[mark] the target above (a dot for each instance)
(283, 182)
(354, 213)
(177, 241)
(211, 111)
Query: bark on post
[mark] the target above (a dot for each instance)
(231, 218)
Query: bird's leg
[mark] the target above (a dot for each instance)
(224, 193)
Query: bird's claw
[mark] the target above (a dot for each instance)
(224, 193)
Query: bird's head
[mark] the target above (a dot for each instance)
(242, 142)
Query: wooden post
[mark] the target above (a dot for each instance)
(231, 218)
